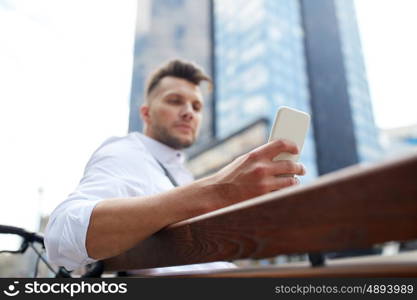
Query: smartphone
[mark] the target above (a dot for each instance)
(290, 124)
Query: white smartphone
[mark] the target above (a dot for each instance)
(290, 124)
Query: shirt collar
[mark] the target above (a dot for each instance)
(160, 151)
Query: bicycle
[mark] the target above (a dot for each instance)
(30, 238)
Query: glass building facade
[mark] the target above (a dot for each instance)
(366, 133)
(258, 52)
(260, 65)
(167, 29)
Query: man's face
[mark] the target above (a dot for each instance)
(173, 113)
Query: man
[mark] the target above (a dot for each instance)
(127, 192)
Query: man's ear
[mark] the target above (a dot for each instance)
(144, 113)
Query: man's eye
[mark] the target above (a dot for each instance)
(197, 107)
(174, 101)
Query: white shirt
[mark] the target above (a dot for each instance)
(119, 168)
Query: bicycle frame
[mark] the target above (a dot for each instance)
(30, 238)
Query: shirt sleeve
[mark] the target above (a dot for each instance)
(105, 177)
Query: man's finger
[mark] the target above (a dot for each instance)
(277, 183)
(281, 167)
(272, 149)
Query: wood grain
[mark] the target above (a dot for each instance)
(349, 209)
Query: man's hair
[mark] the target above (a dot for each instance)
(180, 69)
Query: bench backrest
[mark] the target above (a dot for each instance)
(353, 208)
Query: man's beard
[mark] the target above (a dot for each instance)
(162, 135)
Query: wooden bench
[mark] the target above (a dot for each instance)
(353, 208)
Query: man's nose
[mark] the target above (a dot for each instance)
(187, 112)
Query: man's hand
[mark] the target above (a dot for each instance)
(255, 173)
(118, 224)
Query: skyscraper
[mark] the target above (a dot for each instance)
(345, 131)
(267, 53)
(260, 65)
(366, 133)
(167, 29)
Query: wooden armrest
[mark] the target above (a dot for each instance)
(349, 209)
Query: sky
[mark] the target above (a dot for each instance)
(65, 75)
(389, 42)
